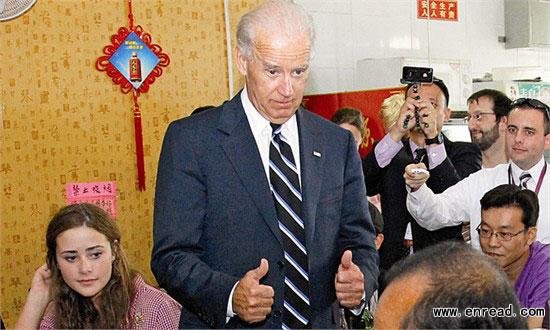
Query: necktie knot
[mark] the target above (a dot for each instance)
(276, 128)
(523, 179)
(420, 155)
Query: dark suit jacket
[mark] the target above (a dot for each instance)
(215, 217)
(463, 158)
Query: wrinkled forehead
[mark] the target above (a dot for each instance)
(281, 44)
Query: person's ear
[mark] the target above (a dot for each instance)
(378, 240)
(503, 124)
(114, 250)
(447, 114)
(547, 142)
(531, 235)
(242, 61)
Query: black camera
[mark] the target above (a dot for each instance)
(415, 74)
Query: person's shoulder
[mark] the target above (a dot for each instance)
(493, 172)
(147, 295)
(463, 147)
(542, 250)
(322, 124)
(202, 119)
(48, 319)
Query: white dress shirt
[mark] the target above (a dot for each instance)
(261, 129)
(460, 203)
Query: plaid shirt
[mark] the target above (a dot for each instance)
(151, 309)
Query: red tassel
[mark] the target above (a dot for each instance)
(139, 144)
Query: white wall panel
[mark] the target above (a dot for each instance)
(352, 30)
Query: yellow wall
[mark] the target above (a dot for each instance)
(63, 121)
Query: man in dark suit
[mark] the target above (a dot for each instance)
(448, 163)
(231, 178)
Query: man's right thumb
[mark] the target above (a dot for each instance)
(262, 270)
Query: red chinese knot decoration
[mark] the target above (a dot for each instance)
(133, 62)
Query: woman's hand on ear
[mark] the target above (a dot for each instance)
(41, 284)
(37, 300)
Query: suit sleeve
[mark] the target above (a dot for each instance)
(373, 173)
(462, 160)
(357, 230)
(180, 203)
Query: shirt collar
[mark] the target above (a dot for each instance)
(414, 146)
(534, 171)
(258, 124)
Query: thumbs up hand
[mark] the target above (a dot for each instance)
(349, 282)
(251, 300)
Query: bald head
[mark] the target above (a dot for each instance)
(449, 274)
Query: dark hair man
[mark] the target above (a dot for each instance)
(447, 161)
(507, 234)
(487, 111)
(352, 120)
(448, 275)
(260, 215)
(527, 136)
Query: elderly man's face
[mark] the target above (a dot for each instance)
(276, 74)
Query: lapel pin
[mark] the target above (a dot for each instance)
(317, 154)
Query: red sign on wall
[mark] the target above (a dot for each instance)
(446, 10)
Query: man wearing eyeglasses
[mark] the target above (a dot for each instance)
(487, 111)
(527, 136)
(507, 234)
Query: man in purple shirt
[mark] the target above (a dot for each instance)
(507, 233)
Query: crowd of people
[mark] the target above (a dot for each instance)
(262, 219)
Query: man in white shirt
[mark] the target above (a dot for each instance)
(527, 136)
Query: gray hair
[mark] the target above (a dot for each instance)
(273, 15)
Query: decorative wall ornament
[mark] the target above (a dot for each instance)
(133, 62)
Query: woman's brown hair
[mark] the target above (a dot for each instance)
(72, 310)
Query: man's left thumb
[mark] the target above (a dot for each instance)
(346, 259)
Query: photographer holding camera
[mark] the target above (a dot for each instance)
(421, 116)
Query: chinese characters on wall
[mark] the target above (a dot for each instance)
(446, 10)
(102, 194)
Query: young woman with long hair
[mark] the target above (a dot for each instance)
(86, 281)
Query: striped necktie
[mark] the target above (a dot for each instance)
(287, 195)
(523, 178)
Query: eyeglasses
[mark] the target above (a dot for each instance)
(501, 236)
(478, 115)
(533, 103)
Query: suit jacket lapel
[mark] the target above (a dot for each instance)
(311, 163)
(243, 154)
